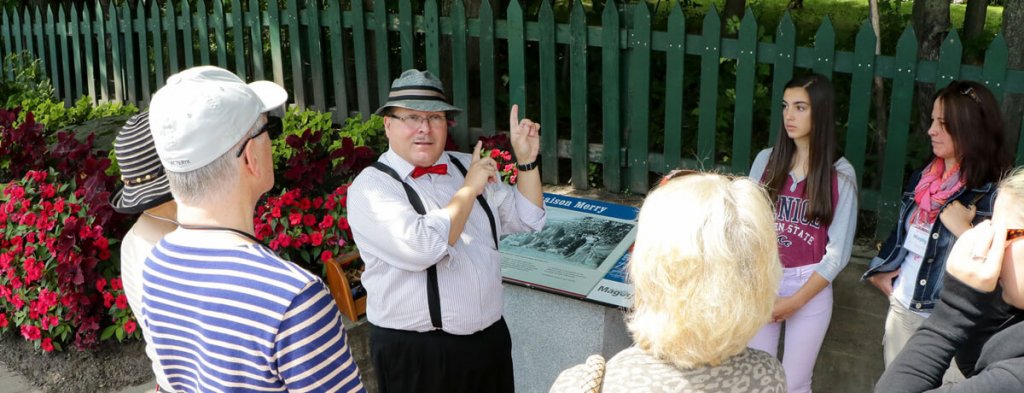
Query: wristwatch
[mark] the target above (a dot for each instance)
(527, 167)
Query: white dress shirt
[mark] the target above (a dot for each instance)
(398, 245)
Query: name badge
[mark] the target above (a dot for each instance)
(917, 240)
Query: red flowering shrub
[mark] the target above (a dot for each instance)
(305, 230)
(314, 161)
(50, 248)
(21, 146)
(56, 227)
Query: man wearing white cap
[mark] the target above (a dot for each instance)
(225, 313)
(427, 224)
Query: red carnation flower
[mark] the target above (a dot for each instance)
(326, 255)
(30, 332)
(46, 345)
(327, 222)
(122, 301)
(129, 327)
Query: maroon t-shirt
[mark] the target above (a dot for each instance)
(801, 242)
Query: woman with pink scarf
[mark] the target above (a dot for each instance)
(954, 191)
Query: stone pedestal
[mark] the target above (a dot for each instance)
(551, 333)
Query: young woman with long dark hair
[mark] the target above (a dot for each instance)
(815, 194)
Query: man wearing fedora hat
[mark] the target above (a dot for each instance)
(225, 312)
(427, 224)
(145, 190)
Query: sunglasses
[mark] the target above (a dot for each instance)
(675, 174)
(272, 127)
(969, 91)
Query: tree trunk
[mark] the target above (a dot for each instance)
(732, 8)
(930, 19)
(1013, 32)
(974, 19)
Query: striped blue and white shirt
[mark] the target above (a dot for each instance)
(239, 318)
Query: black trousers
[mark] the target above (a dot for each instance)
(441, 362)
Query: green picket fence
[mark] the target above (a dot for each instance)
(339, 56)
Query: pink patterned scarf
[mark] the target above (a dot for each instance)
(934, 190)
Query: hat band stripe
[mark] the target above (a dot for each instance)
(421, 98)
(415, 92)
(417, 87)
(141, 179)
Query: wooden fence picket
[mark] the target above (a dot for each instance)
(578, 95)
(899, 126)
(383, 52)
(860, 99)
(548, 94)
(432, 37)
(950, 54)
(314, 33)
(290, 17)
(639, 92)
(487, 74)
(406, 41)
(611, 101)
(743, 117)
(709, 67)
(202, 29)
(782, 72)
(825, 48)
(338, 74)
(515, 29)
(460, 73)
(675, 54)
(360, 54)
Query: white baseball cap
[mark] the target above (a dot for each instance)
(203, 111)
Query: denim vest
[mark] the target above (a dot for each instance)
(928, 283)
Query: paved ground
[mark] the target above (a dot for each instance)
(11, 382)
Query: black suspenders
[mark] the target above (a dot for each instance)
(433, 293)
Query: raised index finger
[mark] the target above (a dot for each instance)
(476, 151)
(513, 117)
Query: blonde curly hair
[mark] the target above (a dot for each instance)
(705, 269)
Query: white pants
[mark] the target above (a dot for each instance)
(900, 325)
(805, 330)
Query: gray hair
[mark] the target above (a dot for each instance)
(214, 179)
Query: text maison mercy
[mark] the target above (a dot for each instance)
(579, 205)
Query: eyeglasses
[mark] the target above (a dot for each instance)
(675, 174)
(414, 120)
(272, 127)
(969, 91)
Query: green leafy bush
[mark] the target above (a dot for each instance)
(32, 91)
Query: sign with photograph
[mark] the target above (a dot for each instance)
(584, 243)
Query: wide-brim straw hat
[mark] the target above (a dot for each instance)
(145, 184)
(420, 91)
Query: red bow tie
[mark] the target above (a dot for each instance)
(439, 169)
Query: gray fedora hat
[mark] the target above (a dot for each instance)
(418, 90)
(145, 184)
